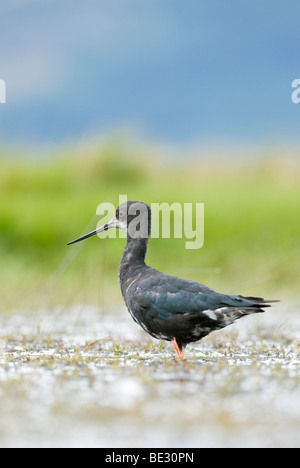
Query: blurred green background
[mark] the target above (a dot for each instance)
(252, 227)
(162, 101)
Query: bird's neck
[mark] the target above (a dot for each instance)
(135, 251)
(133, 259)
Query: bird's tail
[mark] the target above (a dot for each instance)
(230, 311)
(259, 302)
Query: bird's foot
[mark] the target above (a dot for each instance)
(179, 353)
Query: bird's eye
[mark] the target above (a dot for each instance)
(121, 213)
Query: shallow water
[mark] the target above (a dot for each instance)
(82, 378)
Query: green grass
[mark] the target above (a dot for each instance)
(252, 227)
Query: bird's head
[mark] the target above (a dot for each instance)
(134, 217)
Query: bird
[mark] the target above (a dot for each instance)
(167, 307)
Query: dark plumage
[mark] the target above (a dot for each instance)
(167, 307)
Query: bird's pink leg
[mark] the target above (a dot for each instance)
(177, 349)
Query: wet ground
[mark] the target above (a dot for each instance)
(82, 378)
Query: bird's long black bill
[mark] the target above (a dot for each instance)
(91, 234)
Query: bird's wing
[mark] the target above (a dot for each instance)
(162, 296)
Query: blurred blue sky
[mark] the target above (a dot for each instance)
(178, 71)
